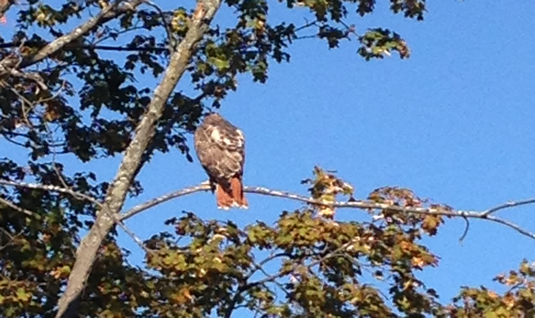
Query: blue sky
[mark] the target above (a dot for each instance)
(455, 123)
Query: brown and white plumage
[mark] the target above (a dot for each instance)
(220, 147)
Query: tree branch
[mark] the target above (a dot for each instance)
(134, 237)
(52, 188)
(15, 207)
(68, 191)
(507, 223)
(466, 228)
(154, 49)
(507, 205)
(164, 198)
(103, 16)
(132, 159)
(165, 24)
(357, 204)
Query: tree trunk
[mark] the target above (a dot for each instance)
(87, 251)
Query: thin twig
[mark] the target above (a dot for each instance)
(343, 247)
(169, 33)
(261, 269)
(13, 141)
(11, 238)
(24, 110)
(349, 28)
(133, 236)
(58, 173)
(306, 25)
(283, 273)
(509, 224)
(55, 95)
(507, 205)
(466, 228)
(111, 36)
(30, 76)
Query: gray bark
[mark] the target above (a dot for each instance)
(132, 159)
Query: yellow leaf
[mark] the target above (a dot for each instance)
(23, 295)
(417, 262)
(509, 301)
(326, 211)
(492, 295)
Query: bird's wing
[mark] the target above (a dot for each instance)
(226, 139)
(221, 150)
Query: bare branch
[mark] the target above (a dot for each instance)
(466, 228)
(357, 204)
(344, 247)
(154, 49)
(360, 204)
(95, 45)
(15, 207)
(52, 188)
(261, 269)
(268, 279)
(134, 237)
(306, 25)
(507, 205)
(510, 224)
(24, 102)
(30, 76)
(71, 192)
(164, 198)
(11, 238)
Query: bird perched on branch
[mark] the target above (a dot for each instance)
(220, 147)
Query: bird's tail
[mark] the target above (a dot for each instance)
(223, 197)
(237, 193)
(231, 195)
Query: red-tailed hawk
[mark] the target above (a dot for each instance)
(220, 147)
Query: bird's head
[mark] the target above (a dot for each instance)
(212, 118)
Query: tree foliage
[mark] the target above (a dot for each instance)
(68, 91)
